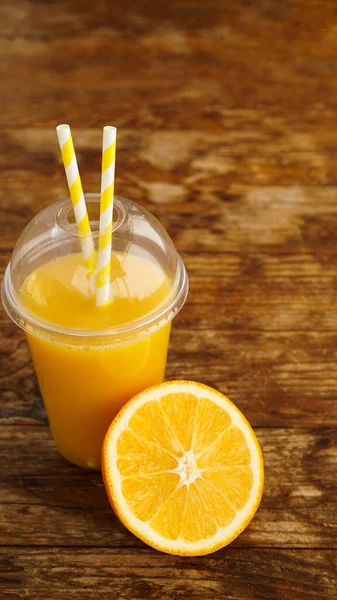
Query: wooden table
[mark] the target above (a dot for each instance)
(227, 123)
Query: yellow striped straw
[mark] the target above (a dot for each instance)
(106, 216)
(76, 195)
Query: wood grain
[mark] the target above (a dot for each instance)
(222, 212)
(227, 132)
(165, 63)
(50, 574)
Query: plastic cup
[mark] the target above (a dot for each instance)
(87, 373)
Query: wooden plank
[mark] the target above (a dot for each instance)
(46, 501)
(137, 574)
(52, 20)
(210, 214)
(276, 378)
(178, 56)
(254, 292)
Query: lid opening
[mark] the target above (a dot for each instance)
(65, 217)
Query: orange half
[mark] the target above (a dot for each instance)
(182, 468)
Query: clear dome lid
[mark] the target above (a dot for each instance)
(47, 290)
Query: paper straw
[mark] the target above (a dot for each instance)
(76, 195)
(106, 216)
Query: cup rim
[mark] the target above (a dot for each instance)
(151, 322)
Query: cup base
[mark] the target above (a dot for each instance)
(91, 464)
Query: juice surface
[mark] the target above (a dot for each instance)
(60, 293)
(84, 386)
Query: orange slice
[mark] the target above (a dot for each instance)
(182, 468)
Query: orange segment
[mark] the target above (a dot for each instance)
(229, 449)
(198, 523)
(180, 410)
(233, 483)
(208, 430)
(167, 521)
(182, 468)
(137, 456)
(206, 511)
(150, 423)
(138, 493)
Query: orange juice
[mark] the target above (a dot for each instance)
(84, 385)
